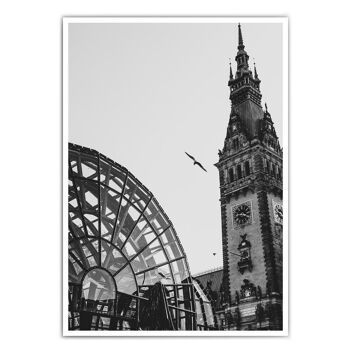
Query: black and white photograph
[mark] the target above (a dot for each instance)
(177, 150)
(174, 174)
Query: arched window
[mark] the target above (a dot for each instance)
(230, 173)
(239, 171)
(247, 168)
(279, 173)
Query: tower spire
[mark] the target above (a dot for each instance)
(255, 72)
(240, 38)
(242, 57)
(231, 75)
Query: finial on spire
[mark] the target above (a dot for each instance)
(255, 72)
(231, 75)
(240, 38)
(266, 108)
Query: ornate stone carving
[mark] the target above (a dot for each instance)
(248, 289)
(244, 249)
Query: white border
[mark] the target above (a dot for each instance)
(65, 22)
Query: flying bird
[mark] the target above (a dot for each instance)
(161, 274)
(214, 254)
(195, 162)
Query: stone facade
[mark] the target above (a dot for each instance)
(251, 195)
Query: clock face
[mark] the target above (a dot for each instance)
(241, 214)
(278, 213)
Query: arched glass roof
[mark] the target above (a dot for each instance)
(121, 244)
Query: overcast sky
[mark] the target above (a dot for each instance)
(143, 94)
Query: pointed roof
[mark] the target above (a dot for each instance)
(231, 75)
(240, 38)
(255, 72)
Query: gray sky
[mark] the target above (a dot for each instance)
(143, 94)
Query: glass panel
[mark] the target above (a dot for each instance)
(74, 270)
(209, 314)
(85, 251)
(125, 281)
(161, 274)
(126, 221)
(88, 166)
(88, 194)
(129, 249)
(130, 188)
(173, 250)
(72, 200)
(141, 236)
(112, 176)
(180, 271)
(171, 245)
(109, 208)
(154, 255)
(139, 264)
(140, 198)
(111, 258)
(155, 217)
(147, 278)
(91, 222)
(98, 285)
(200, 319)
(76, 224)
(157, 252)
(74, 160)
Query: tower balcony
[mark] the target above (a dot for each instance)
(249, 182)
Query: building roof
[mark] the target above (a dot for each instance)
(214, 276)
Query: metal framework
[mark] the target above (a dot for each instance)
(121, 246)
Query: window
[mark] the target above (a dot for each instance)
(247, 168)
(279, 173)
(239, 171)
(230, 173)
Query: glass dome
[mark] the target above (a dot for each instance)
(124, 252)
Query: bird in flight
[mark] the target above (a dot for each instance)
(161, 274)
(195, 162)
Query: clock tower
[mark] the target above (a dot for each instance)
(251, 192)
